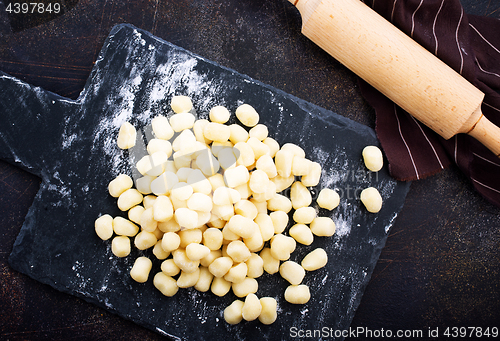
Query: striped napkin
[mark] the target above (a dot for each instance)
(471, 46)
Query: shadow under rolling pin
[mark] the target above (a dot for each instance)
(398, 67)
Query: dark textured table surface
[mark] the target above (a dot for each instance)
(440, 266)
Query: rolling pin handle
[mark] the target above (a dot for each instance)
(487, 133)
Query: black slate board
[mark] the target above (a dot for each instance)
(71, 146)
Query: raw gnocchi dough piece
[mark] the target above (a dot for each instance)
(237, 134)
(226, 196)
(224, 212)
(189, 236)
(185, 140)
(302, 234)
(200, 202)
(323, 227)
(134, 214)
(273, 146)
(255, 266)
(283, 183)
(270, 264)
(246, 287)
(297, 294)
(220, 286)
(233, 312)
(129, 199)
(217, 132)
(147, 222)
(162, 209)
(159, 252)
(204, 280)
(269, 311)
(301, 166)
(259, 131)
(220, 266)
(165, 284)
(183, 262)
(213, 255)
(170, 241)
(260, 204)
(300, 195)
(247, 209)
(236, 176)
(120, 246)
(198, 128)
(295, 149)
(199, 182)
(152, 165)
(217, 146)
(219, 114)
(266, 226)
(181, 104)
(269, 193)
(328, 199)
(226, 157)
(242, 226)
(283, 160)
(183, 174)
(188, 279)
(119, 185)
(292, 272)
(279, 203)
(195, 251)
(244, 190)
(304, 215)
(266, 164)
(246, 155)
(159, 145)
(186, 218)
(247, 115)
(373, 159)
(164, 183)
(104, 226)
(144, 240)
(258, 147)
(124, 227)
(182, 121)
(169, 226)
(280, 221)
(255, 242)
(169, 268)
(216, 180)
(143, 184)
(237, 273)
(282, 246)
(126, 136)
(238, 251)
(212, 238)
(315, 260)
(161, 128)
(207, 163)
(372, 199)
(140, 269)
(312, 178)
(252, 308)
(148, 201)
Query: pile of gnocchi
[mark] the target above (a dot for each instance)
(209, 203)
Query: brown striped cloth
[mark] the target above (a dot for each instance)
(471, 46)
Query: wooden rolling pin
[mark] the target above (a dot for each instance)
(398, 67)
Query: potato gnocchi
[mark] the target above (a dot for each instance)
(209, 202)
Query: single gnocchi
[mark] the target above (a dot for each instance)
(373, 158)
(371, 198)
